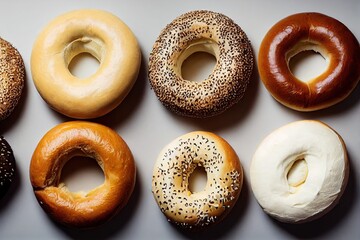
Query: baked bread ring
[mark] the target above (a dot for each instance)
(7, 167)
(79, 138)
(299, 172)
(12, 78)
(100, 34)
(172, 170)
(322, 34)
(201, 31)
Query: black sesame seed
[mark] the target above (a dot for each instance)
(7, 172)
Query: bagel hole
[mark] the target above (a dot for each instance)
(198, 66)
(297, 173)
(82, 174)
(307, 65)
(197, 180)
(83, 65)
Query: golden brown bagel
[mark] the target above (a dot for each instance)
(100, 34)
(320, 33)
(93, 140)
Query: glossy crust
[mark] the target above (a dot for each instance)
(201, 31)
(79, 138)
(12, 78)
(104, 36)
(172, 170)
(7, 167)
(309, 31)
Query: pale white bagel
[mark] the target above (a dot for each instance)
(96, 32)
(171, 173)
(299, 171)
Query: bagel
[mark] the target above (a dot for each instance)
(7, 167)
(201, 31)
(175, 164)
(299, 172)
(79, 138)
(12, 78)
(100, 34)
(322, 34)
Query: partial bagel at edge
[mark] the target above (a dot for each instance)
(12, 78)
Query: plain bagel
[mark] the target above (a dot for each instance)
(80, 138)
(322, 34)
(175, 164)
(100, 34)
(201, 31)
(299, 172)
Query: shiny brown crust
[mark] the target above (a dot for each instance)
(12, 78)
(202, 31)
(79, 138)
(319, 32)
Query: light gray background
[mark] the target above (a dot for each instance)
(147, 126)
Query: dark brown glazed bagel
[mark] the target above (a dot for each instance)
(320, 33)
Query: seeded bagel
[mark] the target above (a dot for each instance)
(12, 78)
(201, 31)
(7, 167)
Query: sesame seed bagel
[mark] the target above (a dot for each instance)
(319, 33)
(299, 171)
(201, 31)
(93, 140)
(7, 167)
(175, 164)
(12, 78)
(106, 38)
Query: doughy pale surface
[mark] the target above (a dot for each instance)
(299, 171)
(96, 32)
